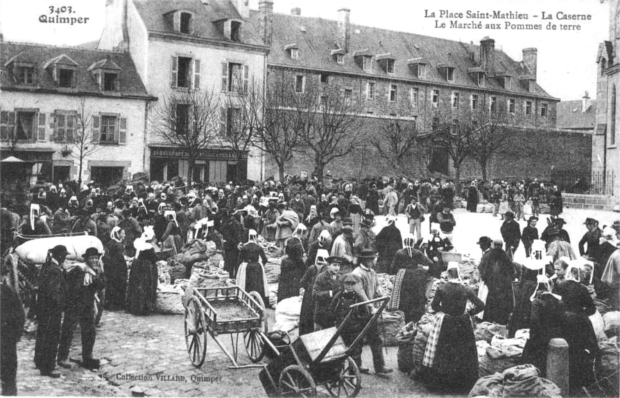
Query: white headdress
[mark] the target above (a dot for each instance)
(115, 234)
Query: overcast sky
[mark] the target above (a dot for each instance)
(566, 59)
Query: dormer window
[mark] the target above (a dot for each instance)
(110, 81)
(185, 23)
(340, 59)
(25, 74)
(63, 70)
(107, 74)
(235, 31)
(293, 51)
(480, 79)
(367, 63)
(447, 71)
(478, 75)
(417, 67)
(506, 82)
(65, 77)
(387, 62)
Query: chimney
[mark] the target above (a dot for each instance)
(530, 59)
(296, 11)
(487, 54)
(585, 103)
(344, 28)
(243, 8)
(265, 10)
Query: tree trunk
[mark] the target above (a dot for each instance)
(80, 173)
(483, 166)
(457, 179)
(318, 171)
(191, 163)
(280, 170)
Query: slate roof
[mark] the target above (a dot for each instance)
(570, 115)
(153, 14)
(316, 39)
(130, 84)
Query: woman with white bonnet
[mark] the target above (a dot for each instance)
(306, 316)
(115, 270)
(251, 274)
(451, 358)
(142, 289)
(577, 329)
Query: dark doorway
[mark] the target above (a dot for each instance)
(62, 173)
(106, 176)
(231, 172)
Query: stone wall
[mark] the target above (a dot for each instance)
(593, 202)
(532, 153)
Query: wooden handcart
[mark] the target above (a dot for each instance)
(225, 310)
(307, 363)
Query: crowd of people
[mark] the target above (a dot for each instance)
(331, 257)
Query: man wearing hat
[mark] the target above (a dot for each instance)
(389, 241)
(511, 233)
(370, 289)
(590, 238)
(365, 238)
(326, 287)
(529, 235)
(558, 224)
(50, 304)
(342, 247)
(83, 283)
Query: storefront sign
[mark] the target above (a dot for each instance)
(211, 154)
(31, 156)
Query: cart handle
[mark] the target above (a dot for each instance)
(331, 341)
(370, 301)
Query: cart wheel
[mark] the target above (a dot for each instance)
(195, 332)
(349, 382)
(253, 338)
(295, 381)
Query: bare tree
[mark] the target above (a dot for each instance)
(454, 136)
(330, 124)
(490, 134)
(396, 139)
(280, 132)
(84, 142)
(189, 120)
(241, 122)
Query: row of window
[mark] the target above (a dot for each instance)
(474, 102)
(186, 74)
(65, 77)
(30, 125)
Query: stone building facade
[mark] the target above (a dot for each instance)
(605, 143)
(190, 45)
(398, 75)
(49, 96)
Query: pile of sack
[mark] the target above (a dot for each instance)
(389, 326)
(516, 381)
(287, 316)
(386, 283)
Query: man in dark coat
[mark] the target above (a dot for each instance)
(50, 304)
(12, 317)
(472, 197)
(83, 283)
(388, 241)
(529, 235)
(511, 233)
(590, 238)
(232, 232)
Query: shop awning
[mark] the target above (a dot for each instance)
(12, 159)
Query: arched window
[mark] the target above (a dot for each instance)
(603, 66)
(612, 130)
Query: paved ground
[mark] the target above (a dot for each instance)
(149, 352)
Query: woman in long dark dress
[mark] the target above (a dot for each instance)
(498, 274)
(143, 278)
(450, 358)
(545, 324)
(292, 270)
(577, 329)
(115, 268)
(472, 198)
(306, 315)
(251, 274)
(171, 238)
